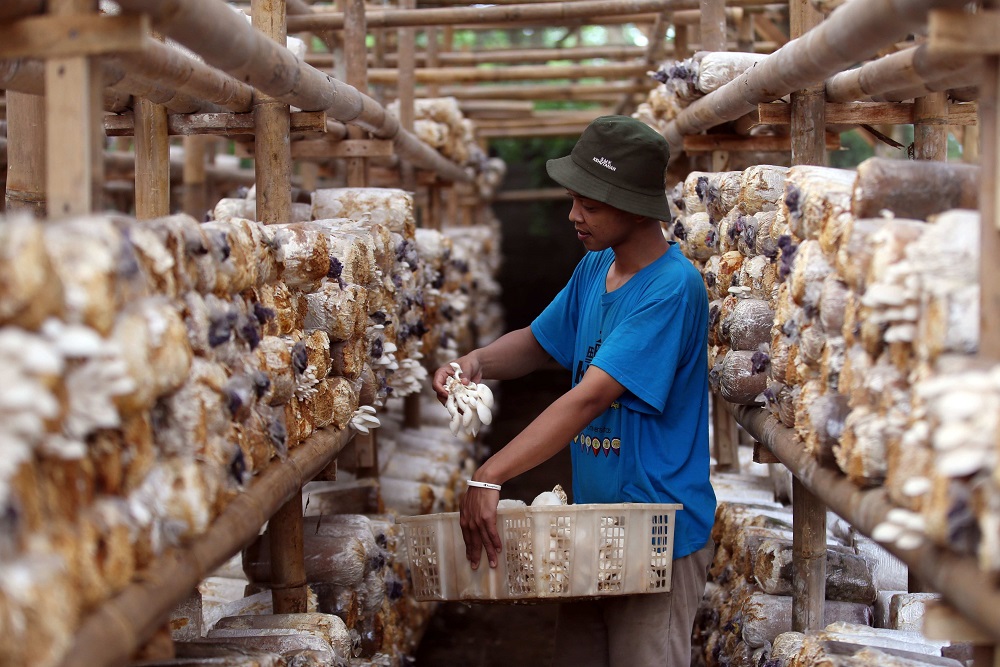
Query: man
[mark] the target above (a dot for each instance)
(632, 326)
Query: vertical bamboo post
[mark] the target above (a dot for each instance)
(713, 25)
(682, 41)
(433, 59)
(25, 154)
(989, 198)
(808, 559)
(272, 143)
(356, 54)
(808, 127)
(405, 87)
(288, 572)
(195, 196)
(808, 130)
(725, 436)
(930, 127)
(745, 34)
(74, 141)
(970, 144)
(726, 433)
(152, 161)
(273, 164)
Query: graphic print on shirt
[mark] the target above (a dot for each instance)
(595, 438)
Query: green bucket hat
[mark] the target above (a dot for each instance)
(619, 161)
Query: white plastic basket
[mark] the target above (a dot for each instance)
(549, 553)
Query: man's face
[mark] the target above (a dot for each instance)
(598, 225)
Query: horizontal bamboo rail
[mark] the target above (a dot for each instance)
(534, 194)
(957, 578)
(544, 118)
(124, 79)
(854, 32)
(516, 73)
(111, 633)
(567, 91)
(170, 66)
(501, 56)
(569, 130)
(551, 12)
(226, 41)
(910, 68)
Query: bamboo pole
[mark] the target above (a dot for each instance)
(26, 154)
(110, 634)
(169, 66)
(957, 578)
(432, 50)
(745, 32)
(852, 33)
(551, 12)
(465, 3)
(272, 149)
(289, 592)
(222, 37)
(989, 201)
(909, 68)
(152, 162)
(930, 127)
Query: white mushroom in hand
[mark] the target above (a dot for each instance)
(470, 405)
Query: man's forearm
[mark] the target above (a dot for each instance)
(513, 355)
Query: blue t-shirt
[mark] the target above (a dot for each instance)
(651, 335)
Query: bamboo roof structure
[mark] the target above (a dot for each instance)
(215, 73)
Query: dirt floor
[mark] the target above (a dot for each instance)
(501, 635)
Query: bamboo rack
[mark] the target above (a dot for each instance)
(227, 42)
(957, 578)
(852, 33)
(115, 630)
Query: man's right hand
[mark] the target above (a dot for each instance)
(471, 372)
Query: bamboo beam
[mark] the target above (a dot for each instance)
(989, 201)
(911, 67)
(121, 162)
(852, 33)
(523, 132)
(224, 40)
(551, 12)
(534, 194)
(854, 113)
(171, 67)
(700, 143)
(543, 119)
(223, 124)
(957, 578)
(110, 634)
(26, 154)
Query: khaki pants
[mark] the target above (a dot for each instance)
(649, 630)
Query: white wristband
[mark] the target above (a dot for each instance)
(483, 485)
